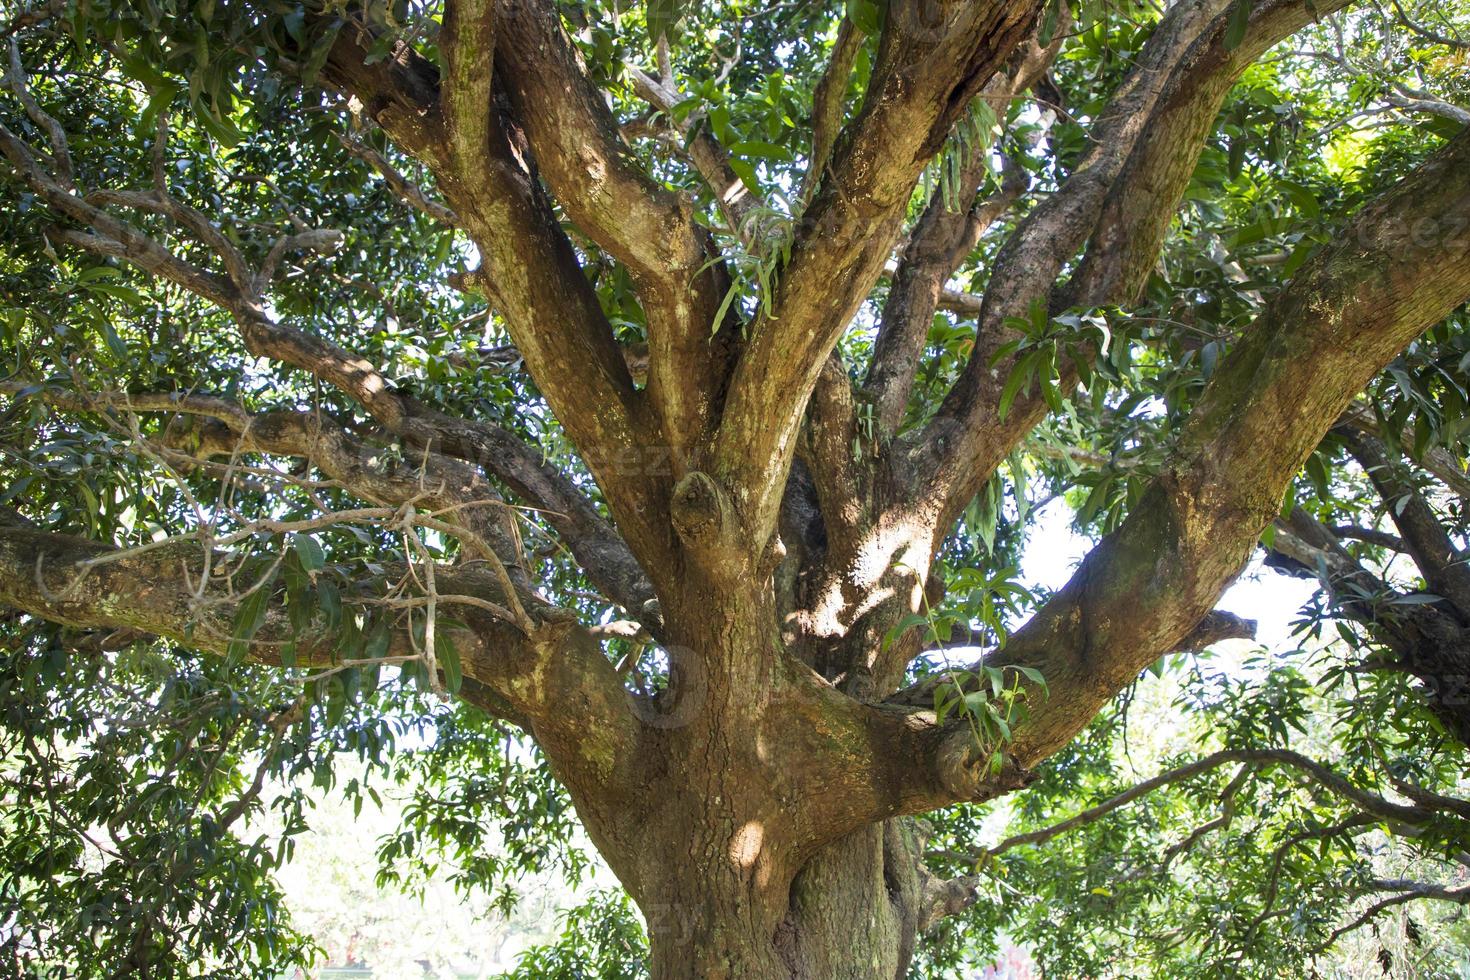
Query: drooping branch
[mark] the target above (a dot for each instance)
(1428, 640)
(1409, 891)
(1369, 809)
(1369, 803)
(241, 291)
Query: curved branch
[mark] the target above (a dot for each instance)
(62, 579)
(1428, 543)
(1352, 308)
(599, 548)
(1426, 640)
(530, 270)
(1415, 891)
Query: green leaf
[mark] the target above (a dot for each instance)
(1240, 19)
(1019, 376)
(1209, 356)
(1034, 676)
(448, 656)
(336, 697)
(746, 173)
(1301, 196)
(866, 16)
(329, 600)
(378, 640)
(110, 335)
(761, 149)
(905, 624)
(663, 18)
(311, 554)
(1317, 473)
(1048, 27)
(249, 616)
(319, 53)
(299, 601)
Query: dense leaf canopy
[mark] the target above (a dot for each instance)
(237, 290)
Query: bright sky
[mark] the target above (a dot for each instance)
(1272, 599)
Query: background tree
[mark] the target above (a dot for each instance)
(667, 387)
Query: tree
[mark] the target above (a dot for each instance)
(650, 381)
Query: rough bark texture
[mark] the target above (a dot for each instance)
(759, 811)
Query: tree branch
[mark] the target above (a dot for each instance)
(530, 271)
(828, 101)
(603, 553)
(62, 579)
(710, 159)
(940, 242)
(407, 191)
(924, 78)
(608, 196)
(468, 40)
(1415, 892)
(1369, 803)
(1142, 202)
(1350, 310)
(1033, 259)
(1436, 460)
(1426, 640)
(1119, 201)
(1428, 543)
(1425, 32)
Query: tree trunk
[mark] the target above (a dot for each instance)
(853, 911)
(856, 907)
(755, 853)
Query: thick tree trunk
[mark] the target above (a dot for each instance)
(855, 908)
(753, 854)
(851, 913)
